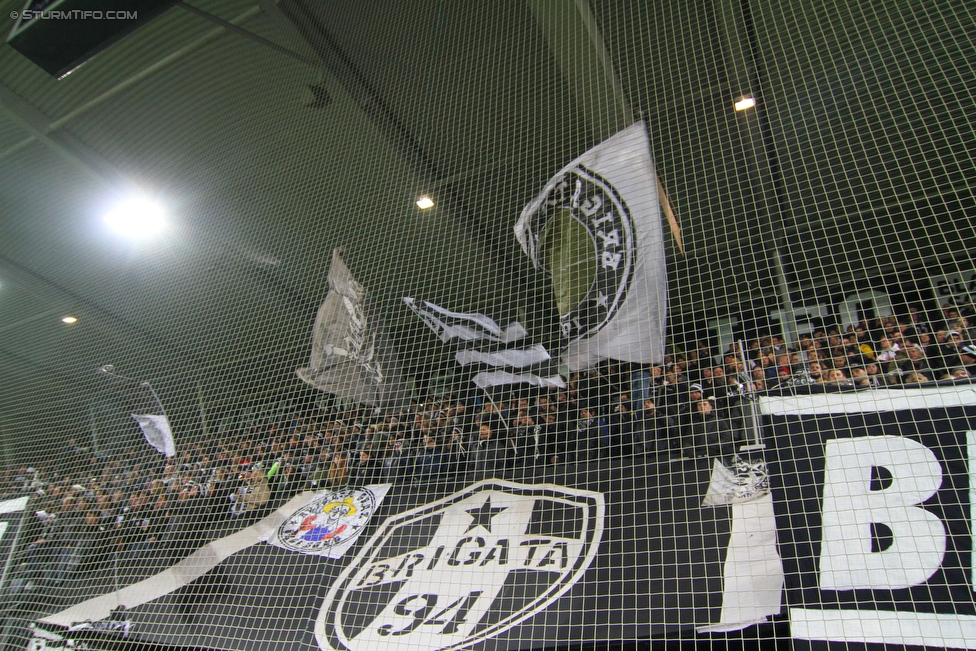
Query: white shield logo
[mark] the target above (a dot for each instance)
(463, 569)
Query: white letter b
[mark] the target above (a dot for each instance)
(850, 507)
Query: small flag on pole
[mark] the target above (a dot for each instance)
(158, 434)
(466, 326)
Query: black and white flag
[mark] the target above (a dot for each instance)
(596, 228)
(487, 343)
(351, 355)
(465, 326)
(487, 379)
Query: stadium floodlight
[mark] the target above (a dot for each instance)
(425, 202)
(745, 102)
(136, 218)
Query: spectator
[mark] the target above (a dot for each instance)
(487, 456)
(369, 469)
(784, 377)
(815, 370)
(654, 430)
(860, 377)
(521, 438)
(706, 435)
(838, 377)
(339, 469)
(397, 461)
(622, 427)
(887, 351)
(254, 494)
(916, 378)
(911, 358)
(967, 352)
(592, 436)
(427, 465)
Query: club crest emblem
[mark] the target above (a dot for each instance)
(328, 522)
(463, 569)
(581, 233)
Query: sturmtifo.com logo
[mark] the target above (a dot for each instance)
(462, 569)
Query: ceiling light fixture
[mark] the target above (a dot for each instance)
(425, 202)
(69, 319)
(136, 218)
(744, 103)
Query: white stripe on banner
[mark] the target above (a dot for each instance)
(753, 573)
(971, 449)
(498, 378)
(519, 357)
(872, 400)
(173, 578)
(468, 326)
(14, 505)
(885, 627)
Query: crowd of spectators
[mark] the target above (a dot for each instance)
(884, 352)
(92, 510)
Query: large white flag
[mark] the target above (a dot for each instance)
(352, 356)
(596, 228)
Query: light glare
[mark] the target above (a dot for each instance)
(136, 218)
(745, 103)
(69, 319)
(425, 202)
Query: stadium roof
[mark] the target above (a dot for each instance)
(266, 156)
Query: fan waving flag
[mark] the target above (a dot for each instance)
(351, 355)
(596, 228)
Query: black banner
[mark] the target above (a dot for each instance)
(873, 500)
(621, 549)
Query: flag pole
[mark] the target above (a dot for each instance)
(109, 370)
(750, 396)
(159, 402)
(160, 439)
(502, 418)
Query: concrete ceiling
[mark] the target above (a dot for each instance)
(476, 102)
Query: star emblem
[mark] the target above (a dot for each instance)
(481, 516)
(601, 299)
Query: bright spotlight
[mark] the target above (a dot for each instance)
(69, 319)
(425, 202)
(136, 218)
(745, 103)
